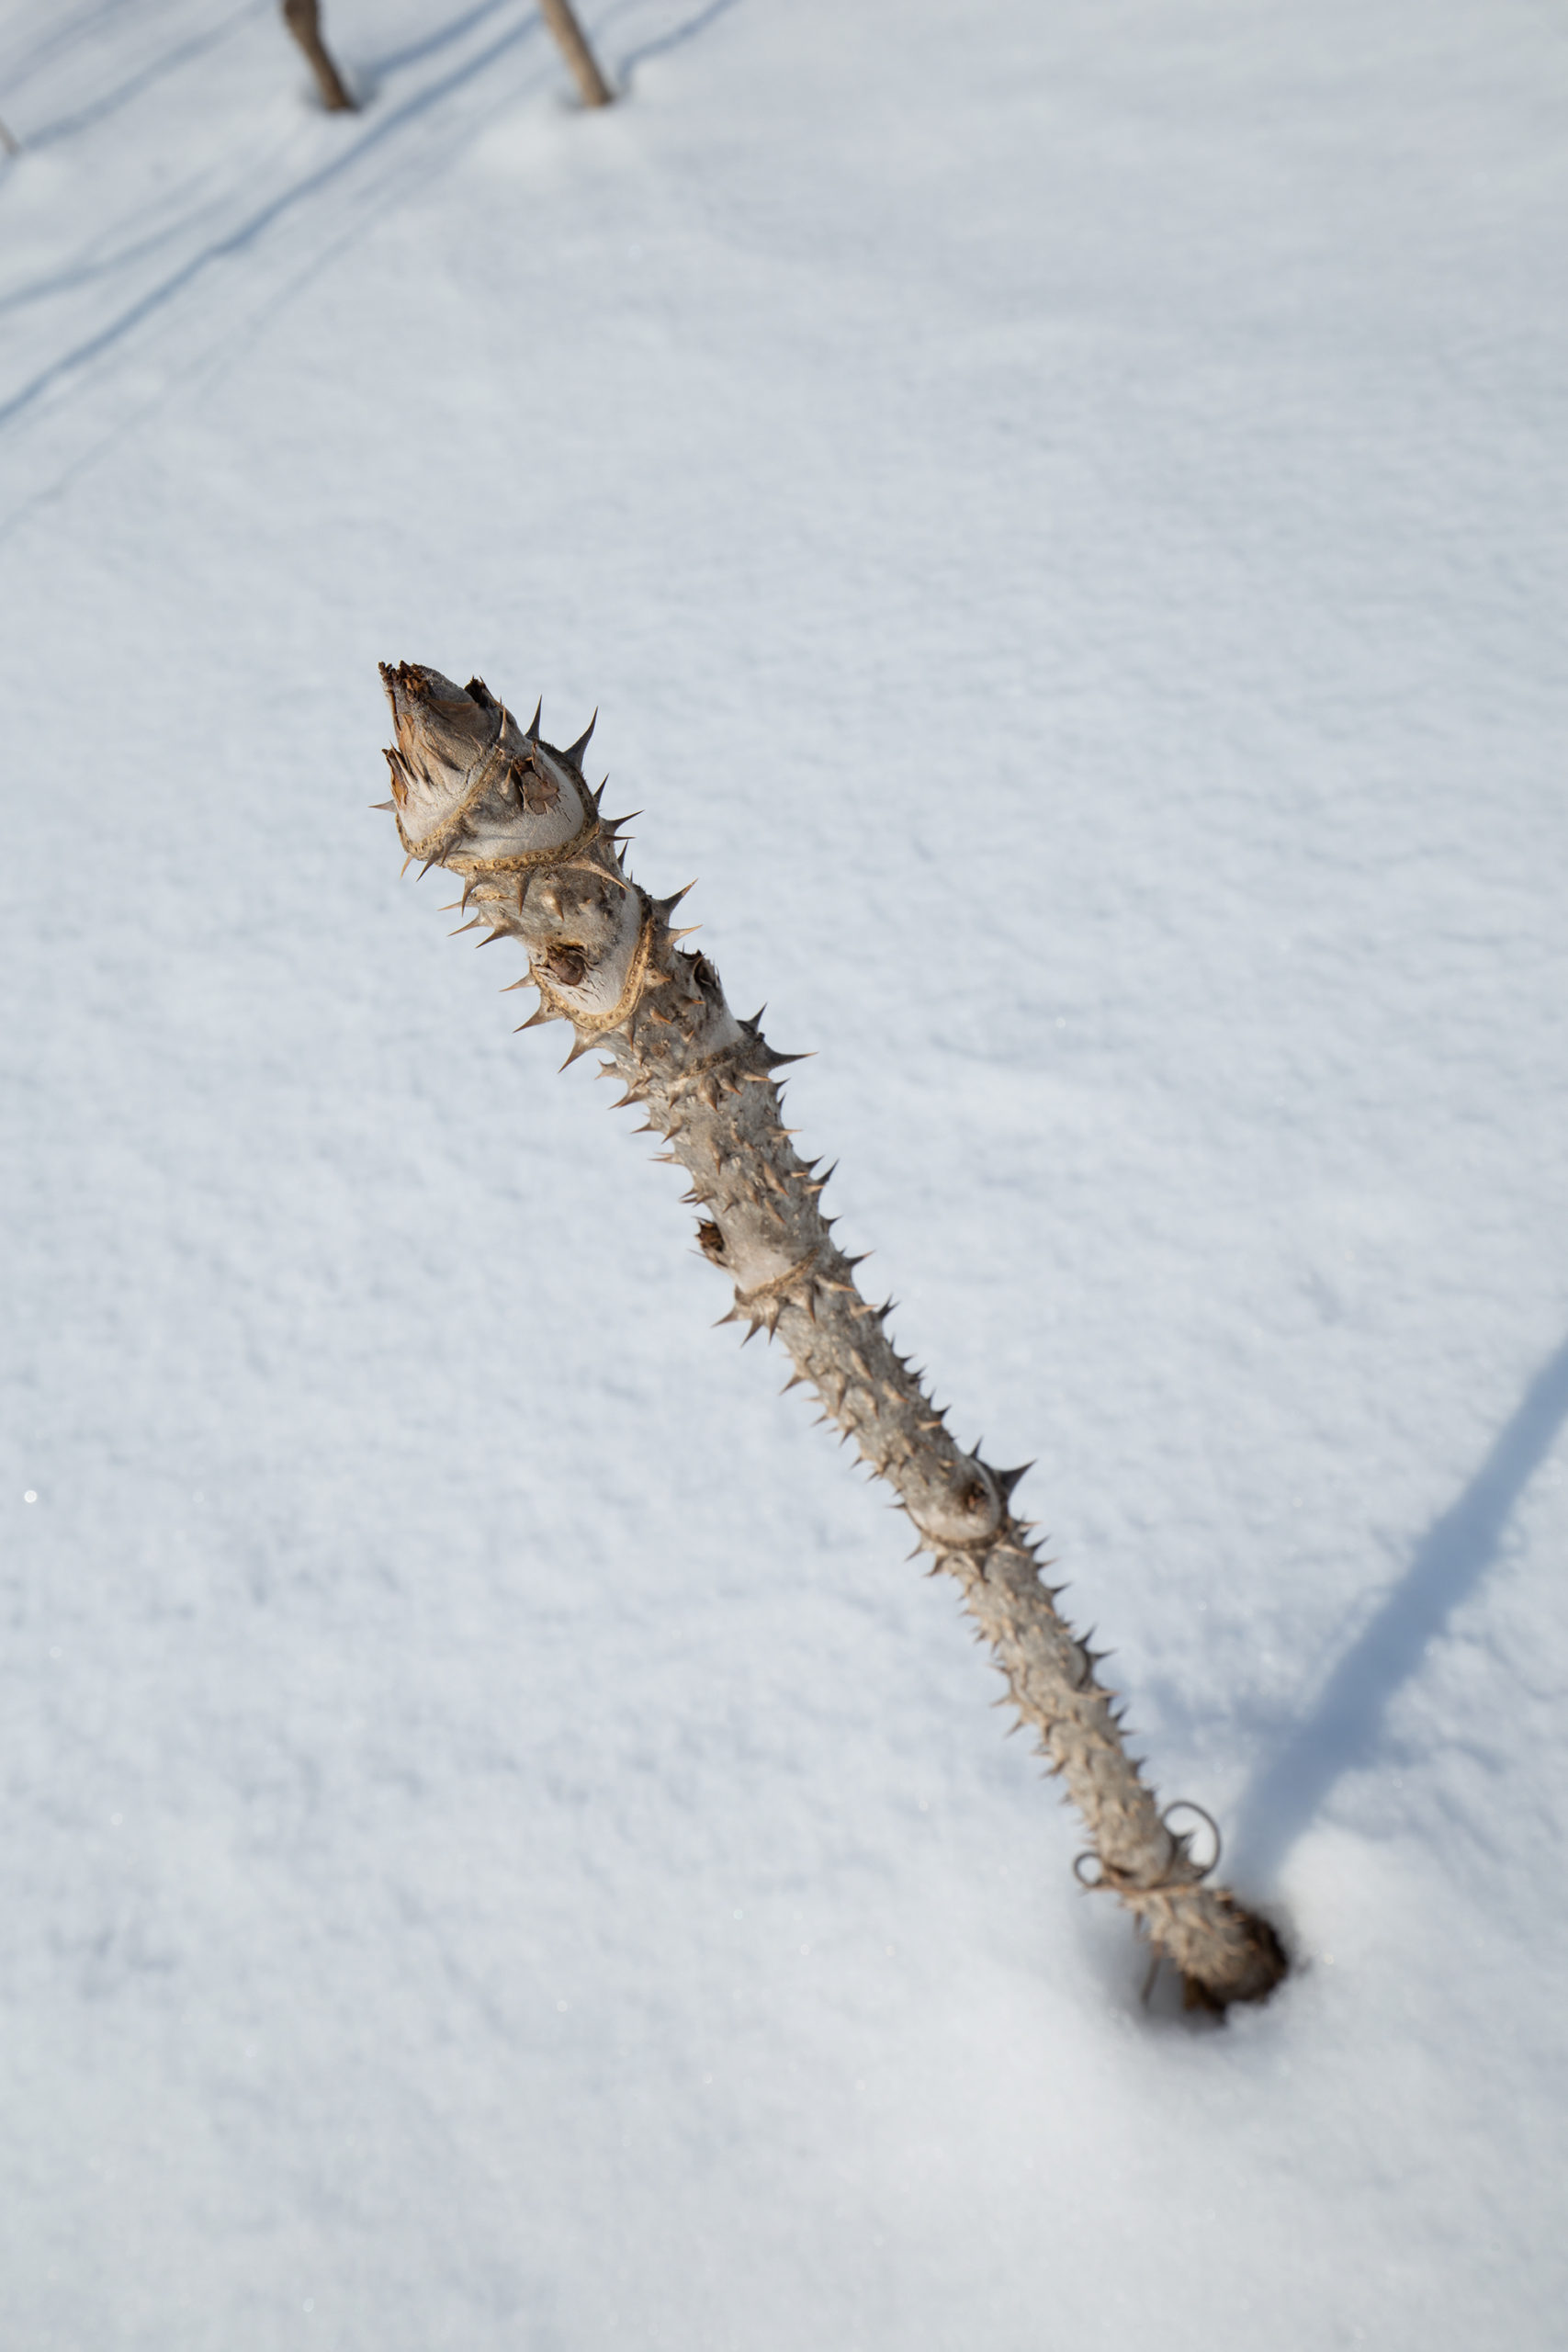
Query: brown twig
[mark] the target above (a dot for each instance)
(303, 20)
(561, 19)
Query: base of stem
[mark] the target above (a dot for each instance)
(1258, 1963)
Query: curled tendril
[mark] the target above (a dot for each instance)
(1186, 1804)
(1110, 1881)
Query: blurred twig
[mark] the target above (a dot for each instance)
(562, 22)
(303, 20)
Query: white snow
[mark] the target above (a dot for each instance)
(1061, 509)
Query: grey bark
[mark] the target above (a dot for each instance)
(562, 22)
(303, 20)
(475, 791)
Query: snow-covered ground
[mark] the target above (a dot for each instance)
(1060, 504)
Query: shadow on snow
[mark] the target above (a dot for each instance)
(234, 241)
(1342, 1729)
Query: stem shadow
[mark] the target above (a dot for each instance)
(136, 84)
(1343, 1728)
(677, 38)
(365, 143)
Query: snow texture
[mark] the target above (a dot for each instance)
(1061, 510)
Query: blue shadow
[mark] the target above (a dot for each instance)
(375, 133)
(168, 62)
(676, 37)
(1344, 1727)
(431, 43)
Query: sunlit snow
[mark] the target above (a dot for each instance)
(1059, 504)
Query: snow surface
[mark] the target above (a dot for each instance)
(1061, 509)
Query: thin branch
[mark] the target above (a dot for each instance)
(562, 22)
(303, 20)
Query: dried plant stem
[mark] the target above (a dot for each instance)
(561, 19)
(12, 146)
(303, 20)
(475, 791)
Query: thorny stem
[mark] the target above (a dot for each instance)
(476, 792)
